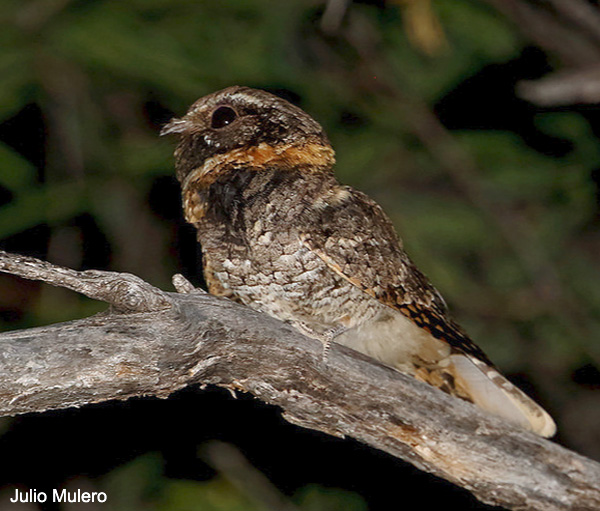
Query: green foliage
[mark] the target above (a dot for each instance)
(134, 484)
(139, 485)
(215, 495)
(316, 498)
(18, 174)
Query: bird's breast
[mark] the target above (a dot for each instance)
(251, 238)
(276, 274)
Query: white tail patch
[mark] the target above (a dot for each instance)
(493, 392)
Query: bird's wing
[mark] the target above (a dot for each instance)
(356, 240)
(352, 235)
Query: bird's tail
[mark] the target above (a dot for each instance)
(488, 389)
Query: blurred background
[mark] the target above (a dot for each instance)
(473, 122)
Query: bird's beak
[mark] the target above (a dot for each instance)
(175, 125)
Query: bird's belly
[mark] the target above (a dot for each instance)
(395, 340)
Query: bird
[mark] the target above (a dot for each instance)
(279, 233)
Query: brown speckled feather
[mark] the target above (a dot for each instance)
(379, 266)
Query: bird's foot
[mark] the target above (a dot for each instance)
(326, 338)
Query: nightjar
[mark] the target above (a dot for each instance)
(280, 234)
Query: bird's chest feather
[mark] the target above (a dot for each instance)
(250, 238)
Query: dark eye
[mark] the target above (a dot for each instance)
(222, 116)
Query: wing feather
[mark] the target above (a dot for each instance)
(355, 239)
(378, 265)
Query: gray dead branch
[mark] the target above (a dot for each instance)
(152, 343)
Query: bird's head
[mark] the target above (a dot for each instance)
(243, 127)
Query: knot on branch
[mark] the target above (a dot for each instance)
(129, 293)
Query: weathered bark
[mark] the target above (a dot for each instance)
(195, 338)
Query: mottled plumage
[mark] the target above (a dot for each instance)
(281, 235)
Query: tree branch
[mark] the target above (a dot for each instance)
(569, 30)
(125, 292)
(201, 339)
(563, 88)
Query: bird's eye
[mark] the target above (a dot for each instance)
(222, 116)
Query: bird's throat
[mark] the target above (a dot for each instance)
(309, 157)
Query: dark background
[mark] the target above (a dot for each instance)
(496, 198)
